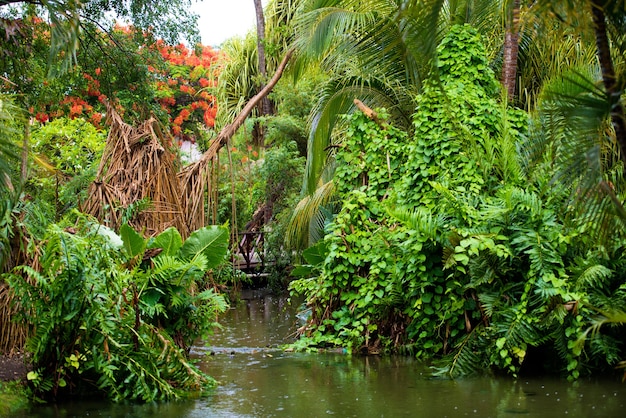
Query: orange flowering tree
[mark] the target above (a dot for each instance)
(141, 76)
(185, 87)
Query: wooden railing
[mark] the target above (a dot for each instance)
(251, 254)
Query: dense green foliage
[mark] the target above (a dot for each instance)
(117, 314)
(9, 126)
(462, 230)
(445, 249)
(66, 154)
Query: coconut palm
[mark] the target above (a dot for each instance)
(582, 124)
(378, 51)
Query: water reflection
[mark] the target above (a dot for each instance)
(257, 379)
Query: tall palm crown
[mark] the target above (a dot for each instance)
(378, 51)
(381, 51)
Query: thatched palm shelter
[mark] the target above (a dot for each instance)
(137, 166)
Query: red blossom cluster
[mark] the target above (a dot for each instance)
(184, 89)
(70, 106)
(187, 97)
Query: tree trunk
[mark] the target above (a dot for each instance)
(24, 164)
(260, 33)
(608, 77)
(511, 50)
(265, 106)
(191, 177)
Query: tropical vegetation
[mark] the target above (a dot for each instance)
(480, 234)
(118, 313)
(446, 177)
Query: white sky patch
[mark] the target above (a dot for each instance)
(222, 19)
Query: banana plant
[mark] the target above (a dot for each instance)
(166, 274)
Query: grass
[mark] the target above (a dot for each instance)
(13, 398)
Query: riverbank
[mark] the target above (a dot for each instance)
(12, 368)
(13, 396)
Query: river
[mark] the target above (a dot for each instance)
(257, 379)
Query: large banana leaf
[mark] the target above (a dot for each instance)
(134, 243)
(169, 240)
(212, 241)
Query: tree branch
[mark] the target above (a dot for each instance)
(7, 2)
(229, 130)
(369, 113)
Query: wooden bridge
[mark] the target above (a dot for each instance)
(250, 256)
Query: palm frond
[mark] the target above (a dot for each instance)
(337, 99)
(611, 318)
(604, 344)
(65, 30)
(236, 80)
(465, 361)
(305, 214)
(574, 115)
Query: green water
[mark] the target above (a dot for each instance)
(258, 380)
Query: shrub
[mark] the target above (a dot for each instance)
(117, 314)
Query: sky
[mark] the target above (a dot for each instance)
(223, 19)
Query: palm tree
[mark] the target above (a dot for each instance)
(265, 107)
(381, 51)
(601, 12)
(378, 52)
(248, 62)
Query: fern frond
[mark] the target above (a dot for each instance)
(595, 276)
(466, 359)
(517, 328)
(419, 219)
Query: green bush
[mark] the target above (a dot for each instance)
(117, 314)
(67, 154)
(445, 249)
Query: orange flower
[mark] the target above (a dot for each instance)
(76, 110)
(187, 89)
(209, 120)
(184, 114)
(96, 118)
(98, 71)
(42, 117)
